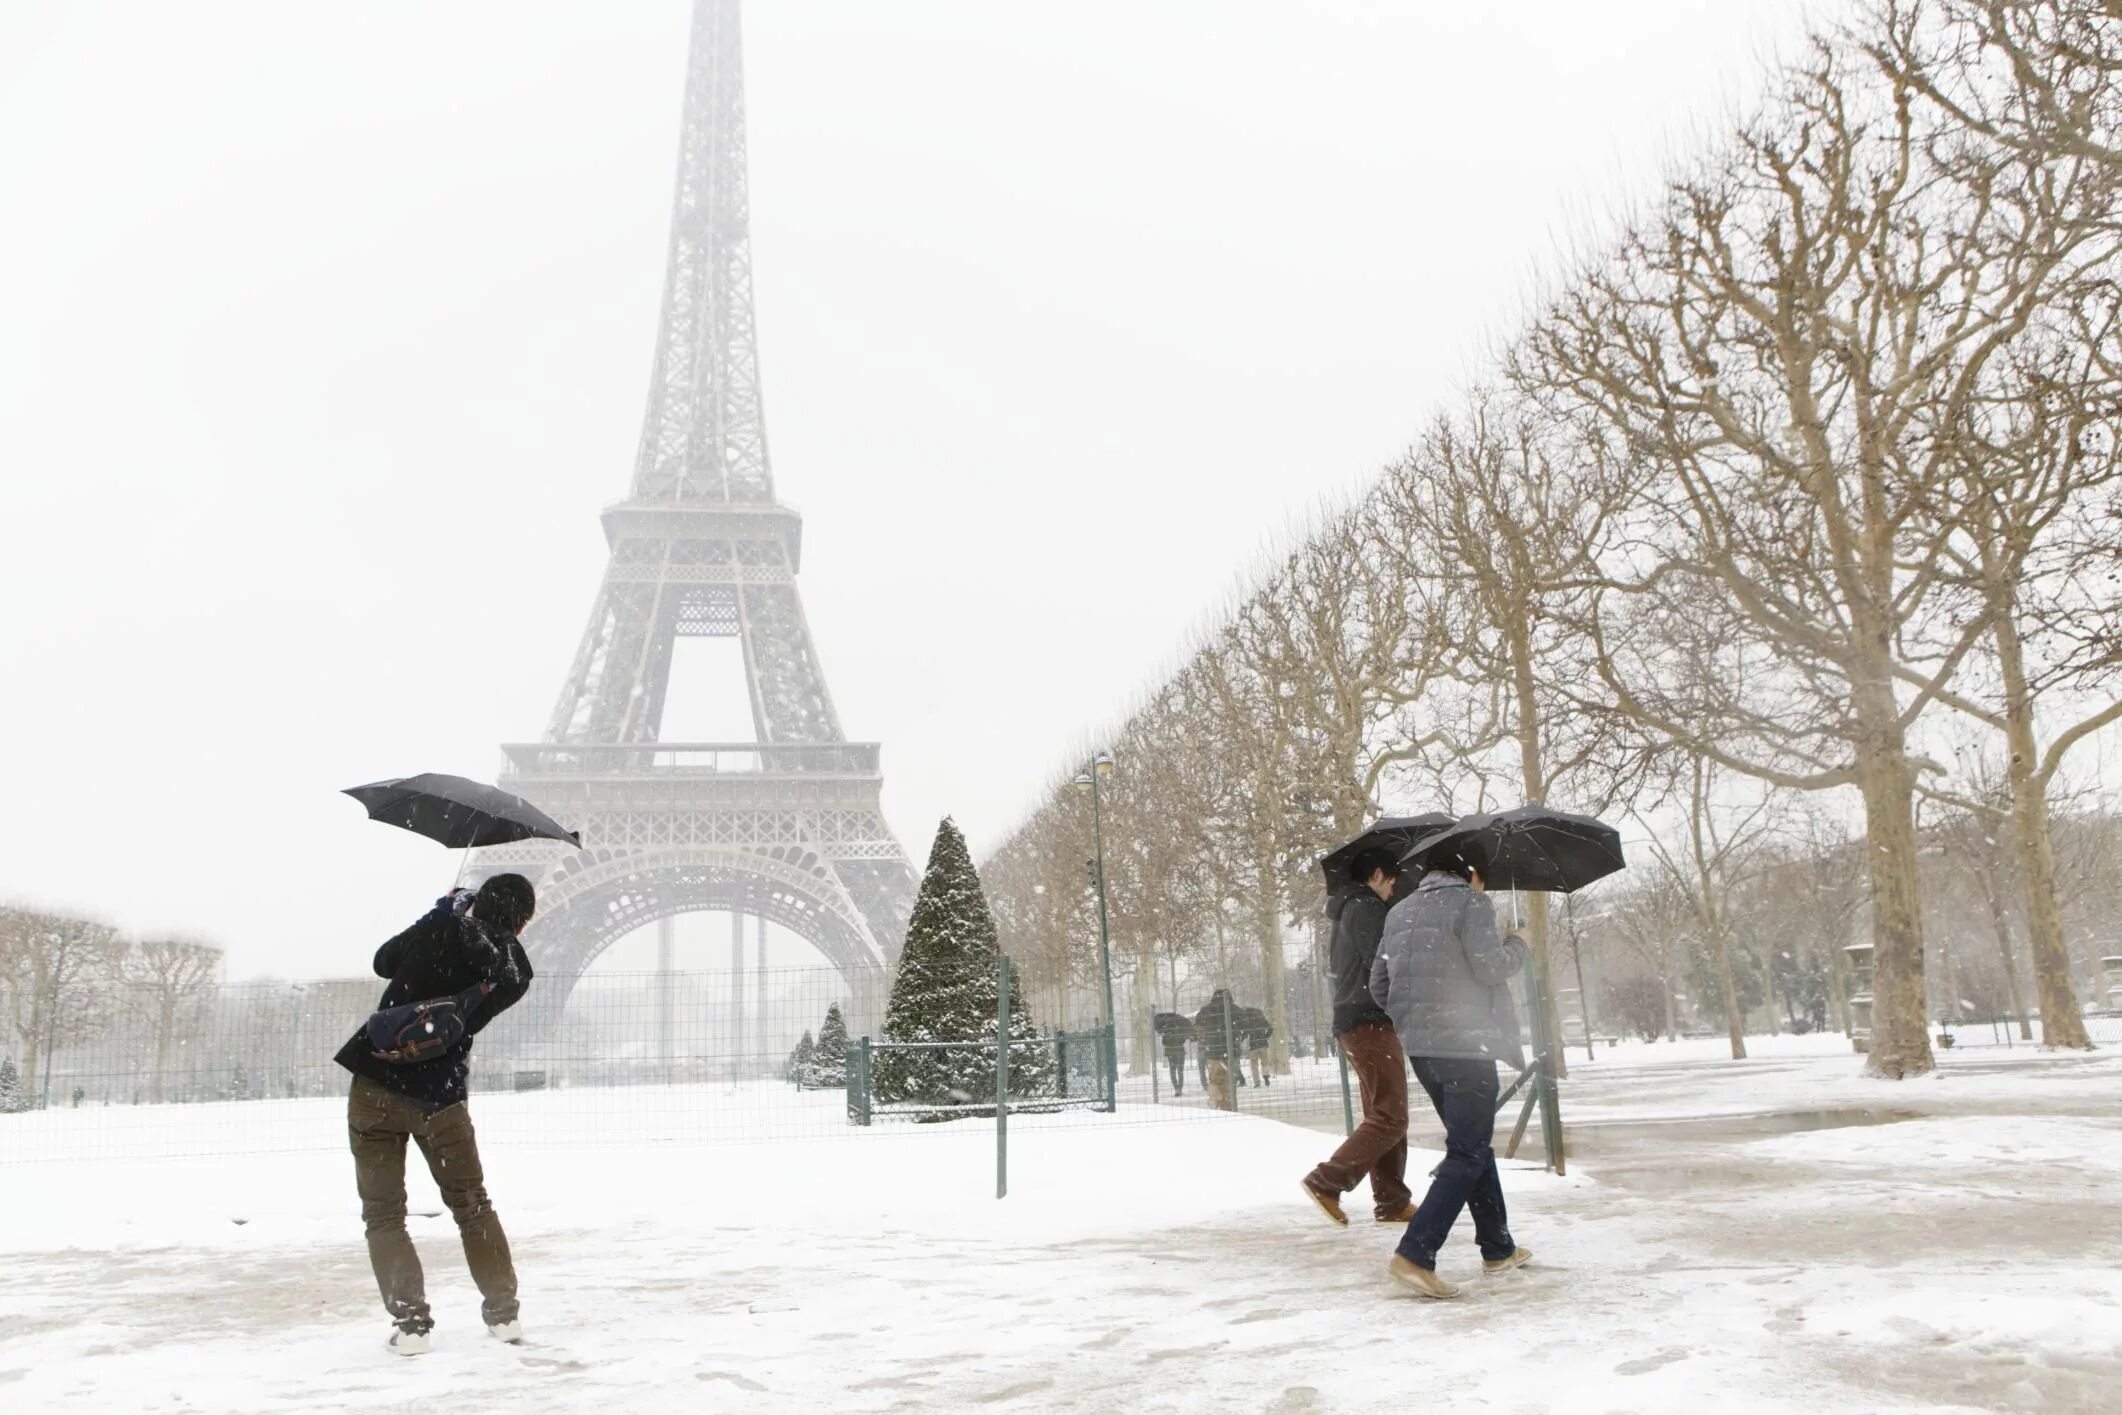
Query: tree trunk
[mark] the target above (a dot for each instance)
(1273, 979)
(2062, 1025)
(1144, 997)
(1707, 907)
(1734, 1017)
(1837, 990)
(1900, 1036)
(164, 1025)
(2001, 922)
(1672, 1004)
(1535, 780)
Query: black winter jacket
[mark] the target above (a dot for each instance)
(1357, 929)
(1209, 1027)
(441, 954)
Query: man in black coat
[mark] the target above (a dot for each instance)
(1216, 1034)
(1377, 1148)
(450, 950)
(1174, 1031)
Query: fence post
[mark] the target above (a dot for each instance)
(1156, 1059)
(1061, 1063)
(1112, 1069)
(1230, 1056)
(1001, 1075)
(858, 1083)
(1547, 1095)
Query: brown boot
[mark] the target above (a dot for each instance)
(1404, 1215)
(1329, 1202)
(1518, 1258)
(1423, 1282)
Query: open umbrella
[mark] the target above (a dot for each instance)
(1393, 833)
(461, 814)
(1528, 847)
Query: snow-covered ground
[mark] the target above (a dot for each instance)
(1781, 1235)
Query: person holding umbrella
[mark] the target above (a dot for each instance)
(450, 950)
(1435, 976)
(1377, 1148)
(453, 972)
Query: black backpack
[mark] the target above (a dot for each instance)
(420, 1031)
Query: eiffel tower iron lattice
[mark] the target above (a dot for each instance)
(788, 827)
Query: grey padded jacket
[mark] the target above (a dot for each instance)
(1438, 970)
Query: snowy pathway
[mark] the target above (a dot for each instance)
(1966, 1258)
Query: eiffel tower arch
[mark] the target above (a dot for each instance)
(789, 826)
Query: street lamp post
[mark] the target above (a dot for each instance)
(1101, 766)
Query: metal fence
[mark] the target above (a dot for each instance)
(680, 1057)
(683, 1057)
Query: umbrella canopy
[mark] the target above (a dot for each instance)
(1390, 833)
(461, 814)
(1529, 847)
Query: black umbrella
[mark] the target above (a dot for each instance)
(461, 814)
(1529, 847)
(1392, 833)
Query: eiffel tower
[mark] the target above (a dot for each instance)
(787, 827)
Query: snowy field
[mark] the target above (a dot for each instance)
(1781, 1235)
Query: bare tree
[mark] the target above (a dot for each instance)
(170, 984)
(1767, 359)
(55, 968)
(1719, 845)
(1498, 531)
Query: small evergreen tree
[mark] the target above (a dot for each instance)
(239, 1085)
(829, 1061)
(945, 992)
(799, 1062)
(11, 1098)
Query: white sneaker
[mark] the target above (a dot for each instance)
(410, 1343)
(510, 1332)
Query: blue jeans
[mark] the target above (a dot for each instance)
(1464, 1093)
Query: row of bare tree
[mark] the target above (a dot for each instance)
(1804, 476)
(65, 981)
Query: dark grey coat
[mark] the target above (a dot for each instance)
(1438, 971)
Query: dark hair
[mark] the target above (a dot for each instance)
(506, 902)
(1369, 862)
(1455, 865)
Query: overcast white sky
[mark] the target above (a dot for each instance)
(325, 333)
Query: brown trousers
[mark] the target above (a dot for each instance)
(378, 1123)
(1378, 1146)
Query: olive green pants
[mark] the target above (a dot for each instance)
(378, 1123)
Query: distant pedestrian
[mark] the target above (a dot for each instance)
(467, 942)
(1215, 1033)
(1377, 1148)
(1437, 975)
(1173, 1033)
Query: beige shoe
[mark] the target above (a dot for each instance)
(1518, 1258)
(1421, 1281)
(1329, 1204)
